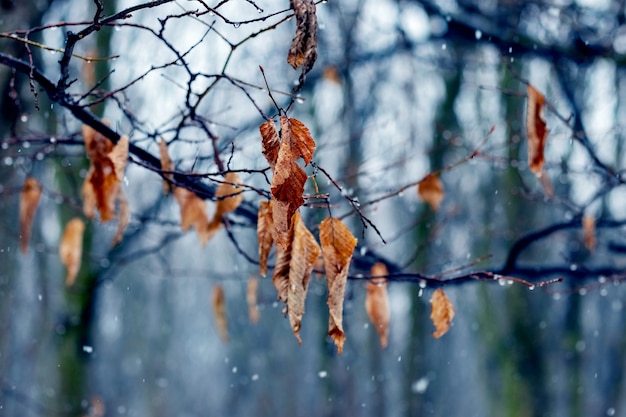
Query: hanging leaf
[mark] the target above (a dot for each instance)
(218, 302)
(270, 144)
(71, 249)
(106, 172)
(442, 313)
(298, 137)
(304, 253)
(123, 217)
(251, 298)
(589, 232)
(264, 230)
(192, 213)
(89, 196)
(280, 278)
(29, 200)
(338, 245)
(536, 128)
(431, 191)
(377, 302)
(303, 50)
(229, 195)
(166, 165)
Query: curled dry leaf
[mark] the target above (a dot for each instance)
(303, 50)
(536, 128)
(431, 191)
(123, 217)
(264, 230)
(29, 200)
(589, 232)
(218, 302)
(108, 163)
(338, 245)
(304, 253)
(280, 278)
(251, 299)
(193, 213)
(289, 177)
(166, 165)
(71, 249)
(442, 313)
(377, 302)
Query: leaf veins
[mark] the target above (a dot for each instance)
(338, 245)
(442, 313)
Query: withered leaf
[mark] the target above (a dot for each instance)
(166, 165)
(298, 137)
(264, 230)
(338, 245)
(71, 249)
(377, 302)
(193, 213)
(589, 232)
(536, 128)
(123, 217)
(218, 302)
(229, 197)
(251, 299)
(29, 200)
(270, 143)
(280, 278)
(304, 253)
(89, 196)
(431, 191)
(303, 50)
(442, 313)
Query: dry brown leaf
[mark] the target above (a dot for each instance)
(298, 137)
(304, 253)
(270, 144)
(264, 230)
(251, 299)
(89, 196)
(218, 302)
(280, 278)
(71, 249)
(442, 313)
(108, 162)
(166, 165)
(377, 302)
(303, 50)
(536, 127)
(123, 217)
(589, 232)
(29, 200)
(193, 213)
(338, 245)
(431, 191)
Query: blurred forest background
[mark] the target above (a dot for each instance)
(400, 88)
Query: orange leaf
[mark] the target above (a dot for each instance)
(229, 195)
(442, 312)
(29, 199)
(166, 165)
(338, 245)
(264, 230)
(589, 232)
(89, 196)
(106, 171)
(123, 217)
(430, 190)
(270, 143)
(377, 302)
(71, 249)
(193, 213)
(304, 252)
(536, 127)
(280, 278)
(251, 298)
(298, 137)
(218, 302)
